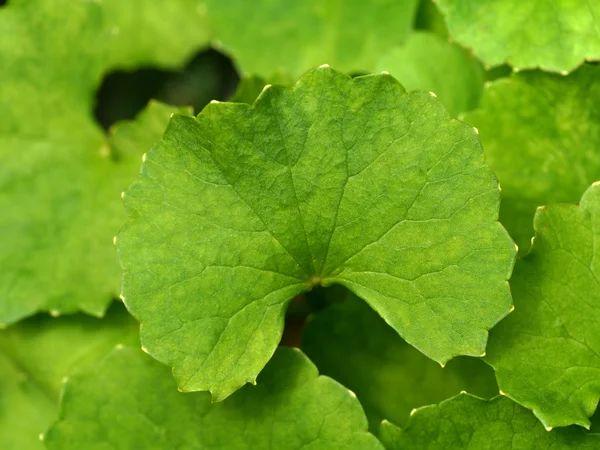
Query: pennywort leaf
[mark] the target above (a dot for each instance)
(60, 183)
(546, 353)
(352, 344)
(292, 407)
(337, 180)
(35, 357)
(550, 34)
(278, 38)
(467, 422)
(431, 63)
(541, 134)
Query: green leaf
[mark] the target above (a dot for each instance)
(61, 207)
(291, 408)
(541, 134)
(60, 184)
(546, 353)
(467, 422)
(338, 180)
(352, 344)
(271, 38)
(429, 18)
(36, 355)
(431, 63)
(553, 35)
(249, 87)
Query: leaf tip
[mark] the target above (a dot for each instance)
(516, 69)
(144, 158)
(122, 298)
(214, 102)
(476, 130)
(352, 394)
(414, 410)
(432, 94)
(123, 194)
(482, 354)
(144, 349)
(114, 240)
(267, 86)
(512, 308)
(501, 392)
(384, 72)
(54, 312)
(324, 66)
(564, 73)
(548, 428)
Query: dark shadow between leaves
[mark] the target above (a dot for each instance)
(209, 75)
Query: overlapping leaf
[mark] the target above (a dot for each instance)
(550, 34)
(60, 184)
(35, 356)
(467, 422)
(541, 135)
(334, 181)
(431, 63)
(546, 353)
(275, 38)
(353, 345)
(292, 407)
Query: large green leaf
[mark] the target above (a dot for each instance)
(546, 353)
(36, 355)
(60, 183)
(541, 135)
(467, 422)
(275, 38)
(352, 344)
(291, 408)
(550, 34)
(431, 63)
(334, 181)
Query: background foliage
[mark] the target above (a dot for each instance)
(343, 211)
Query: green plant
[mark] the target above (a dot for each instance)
(356, 215)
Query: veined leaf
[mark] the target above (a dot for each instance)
(338, 180)
(275, 38)
(546, 353)
(291, 408)
(430, 63)
(550, 34)
(467, 422)
(60, 183)
(541, 135)
(352, 344)
(36, 355)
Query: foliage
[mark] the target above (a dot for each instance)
(353, 215)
